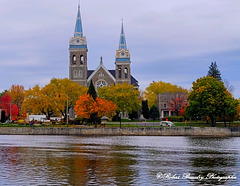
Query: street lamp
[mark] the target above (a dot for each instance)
(11, 112)
(67, 110)
(67, 113)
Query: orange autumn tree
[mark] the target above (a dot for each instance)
(86, 106)
(104, 107)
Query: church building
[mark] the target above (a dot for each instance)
(78, 70)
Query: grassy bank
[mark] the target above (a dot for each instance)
(129, 124)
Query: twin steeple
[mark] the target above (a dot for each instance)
(79, 31)
(78, 26)
(78, 70)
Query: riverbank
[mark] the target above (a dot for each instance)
(144, 131)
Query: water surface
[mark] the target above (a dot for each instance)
(120, 160)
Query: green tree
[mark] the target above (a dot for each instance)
(155, 88)
(133, 115)
(208, 98)
(214, 72)
(123, 95)
(92, 91)
(93, 116)
(145, 109)
(2, 93)
(229, 109)
(154, 112)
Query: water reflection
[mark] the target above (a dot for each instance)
(213, 159)
(58, 160)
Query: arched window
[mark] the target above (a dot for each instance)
(77, 74)
(81, 59)
(126, 72)
(80, 74)
(101, 84)
(120, 73)
(74, 73)
(74, 60)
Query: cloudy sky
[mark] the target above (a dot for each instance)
(169, 40)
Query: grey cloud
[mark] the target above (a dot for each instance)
(172, 40)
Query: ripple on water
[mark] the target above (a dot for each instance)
(116, 160)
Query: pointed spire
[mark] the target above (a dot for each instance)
(122, 42)
(101, 60)
(78, 27)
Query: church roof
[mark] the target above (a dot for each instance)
(133, 80)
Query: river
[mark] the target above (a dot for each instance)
(119, 160)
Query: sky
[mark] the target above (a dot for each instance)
(169, 40)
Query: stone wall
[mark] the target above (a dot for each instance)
(164, 131)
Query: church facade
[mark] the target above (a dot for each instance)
(78, 70)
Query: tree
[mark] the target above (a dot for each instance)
(238, 109)
(207, 98)
(2, 93)
(145, 109)
(86, 106)
(229, 109)
(228, 86)
(92, 91)
(214, 72)
(123, 95)
(53, 97)
(154, 112)
(17, 94)
(93, 116)
(11, 110)
(104, 107)
(63, 94)
(178, 104)
(36, 102)
(155, 88)
(133, 115)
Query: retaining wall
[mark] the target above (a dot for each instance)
(161, 131)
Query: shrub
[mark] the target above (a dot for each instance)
(175, 118)
(154, 112)
(78, 121)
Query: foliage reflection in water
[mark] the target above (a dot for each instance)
(122, 160)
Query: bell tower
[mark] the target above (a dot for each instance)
(78, 54)
(122, 62)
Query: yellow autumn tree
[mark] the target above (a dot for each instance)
(155, 88)
(54, 97)
(63, 92)
(17, 92)
(36, 102)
